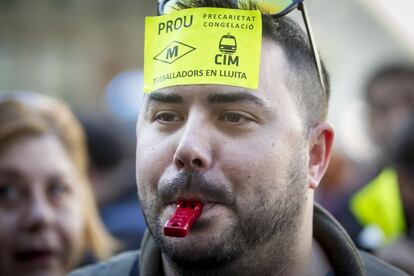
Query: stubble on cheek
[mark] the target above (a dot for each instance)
(147, 194)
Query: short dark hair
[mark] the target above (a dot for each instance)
(311, 98)
(393, 72)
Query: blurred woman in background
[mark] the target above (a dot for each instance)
(48, 216)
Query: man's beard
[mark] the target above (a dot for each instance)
(257, 222)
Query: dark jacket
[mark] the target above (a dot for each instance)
(338, 246)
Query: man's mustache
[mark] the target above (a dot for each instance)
(194, 183)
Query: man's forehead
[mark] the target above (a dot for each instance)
(273, 57)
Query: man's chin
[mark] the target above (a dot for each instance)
(205, 246)
(193, 253)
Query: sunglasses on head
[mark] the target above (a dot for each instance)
(278, 8)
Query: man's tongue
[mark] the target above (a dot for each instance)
(185, 215)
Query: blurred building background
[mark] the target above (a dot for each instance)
(71, 48)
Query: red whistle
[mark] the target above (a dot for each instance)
(185, 215)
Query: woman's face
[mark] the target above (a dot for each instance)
(41, 211)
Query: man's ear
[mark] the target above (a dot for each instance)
(320, 140)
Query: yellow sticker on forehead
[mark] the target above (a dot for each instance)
(203, 46)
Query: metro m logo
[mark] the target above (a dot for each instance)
(173, 52)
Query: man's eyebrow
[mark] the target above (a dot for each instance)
(232, 97)
(164, 97)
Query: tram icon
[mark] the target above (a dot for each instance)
(228, 44)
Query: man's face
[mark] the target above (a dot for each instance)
(391, 107)
(241, 153)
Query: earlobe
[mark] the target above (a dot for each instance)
(320, 146)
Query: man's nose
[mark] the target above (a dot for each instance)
(194, 149)
(39, 214)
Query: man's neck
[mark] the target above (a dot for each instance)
(319, 262)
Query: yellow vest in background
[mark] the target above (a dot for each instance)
(379, 203)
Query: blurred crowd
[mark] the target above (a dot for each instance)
(375, 201)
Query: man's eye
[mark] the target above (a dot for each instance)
(165, 117)
(234, 118)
